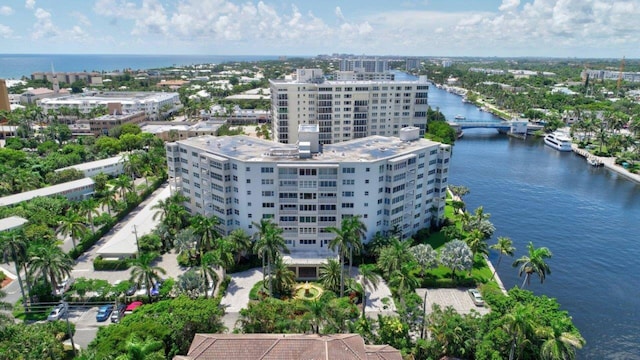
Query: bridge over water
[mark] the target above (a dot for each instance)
(518, 127)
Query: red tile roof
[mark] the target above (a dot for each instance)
(286, 346)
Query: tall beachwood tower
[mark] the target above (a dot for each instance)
(4, 96)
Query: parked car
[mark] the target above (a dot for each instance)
(63, 286)
(155, 289)
(476, 297)
(134, 305)
(58, 312)
(132, 290)
(104, 312)
(142, 290)
(118, 313)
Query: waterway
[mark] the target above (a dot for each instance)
(588, 217)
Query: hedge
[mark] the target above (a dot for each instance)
(101, 264)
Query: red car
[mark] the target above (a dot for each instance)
(134, 305)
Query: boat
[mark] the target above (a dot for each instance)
(558, 141)
(459, 117)
(594, 162)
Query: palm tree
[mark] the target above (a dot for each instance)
(208, 264)
(283, 278)
(50, 261)
(317, 311)
(404, 280)
(123, 184)
(147, 350)
(241, 242)
(144, 272)
(560, 344)
(72, 225)
(88, 208)
(476, 241)
(269, 245)
(330, 275)
(520, 325)
(348, 239)
(393, 256)
(109, 200)
(534, 263)
(504, 246)
(13, 243)
(368, 278)
(204, 228)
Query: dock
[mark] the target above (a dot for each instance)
(591, 159)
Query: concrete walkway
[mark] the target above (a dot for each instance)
(237, 296)
(376, 297)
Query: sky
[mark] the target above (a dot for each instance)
(504, 28)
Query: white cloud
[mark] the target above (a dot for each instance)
(6, 10)
(339, 13)
(509, 5)
(44, 27)
(5, 31)
(30, 4)
(82, 19)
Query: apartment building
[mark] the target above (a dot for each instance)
(153, 104)
(346, 110)
(392, 182)
(73, 190)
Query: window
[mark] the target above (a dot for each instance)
(267, 205)
(347, 193)
(248, 181)
(348, 182)
(348, 170)
(268, 193)
(347, 205)
(266, 170)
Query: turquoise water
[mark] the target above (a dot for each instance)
(14, 66)
(588, 217)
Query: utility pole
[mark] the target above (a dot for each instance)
(424, 313)
(135, 232)
(73, 345)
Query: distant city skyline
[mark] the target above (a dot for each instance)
(504, 28)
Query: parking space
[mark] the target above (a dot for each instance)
(459, 299)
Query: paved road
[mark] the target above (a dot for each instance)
(237, 296)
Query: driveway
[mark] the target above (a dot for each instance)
(237, 295)
(459, 299)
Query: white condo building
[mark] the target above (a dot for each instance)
(153, 104)
(347, 109)
(392, 182)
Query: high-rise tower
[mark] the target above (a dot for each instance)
(4, 96)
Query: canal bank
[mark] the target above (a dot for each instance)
(587, 216)
(607, 162)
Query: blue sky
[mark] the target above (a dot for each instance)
(564, 28)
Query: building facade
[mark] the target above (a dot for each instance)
(153, 104)
(346, 110)
(102, 124)
(73, 190)
(392, 182)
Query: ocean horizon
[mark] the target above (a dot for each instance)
(16, 66)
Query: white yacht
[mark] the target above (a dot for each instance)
(460, 117)
(558, 141)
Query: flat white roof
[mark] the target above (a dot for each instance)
(250, 149)
(95, 164)
(46, 191)
(124, 241)
(12, 222)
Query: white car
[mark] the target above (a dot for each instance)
(476, 297)
(142, 290)
(63, 286)
(58, 312)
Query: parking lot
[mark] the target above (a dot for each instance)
(459, 299)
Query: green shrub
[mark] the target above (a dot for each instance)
(101, 264)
